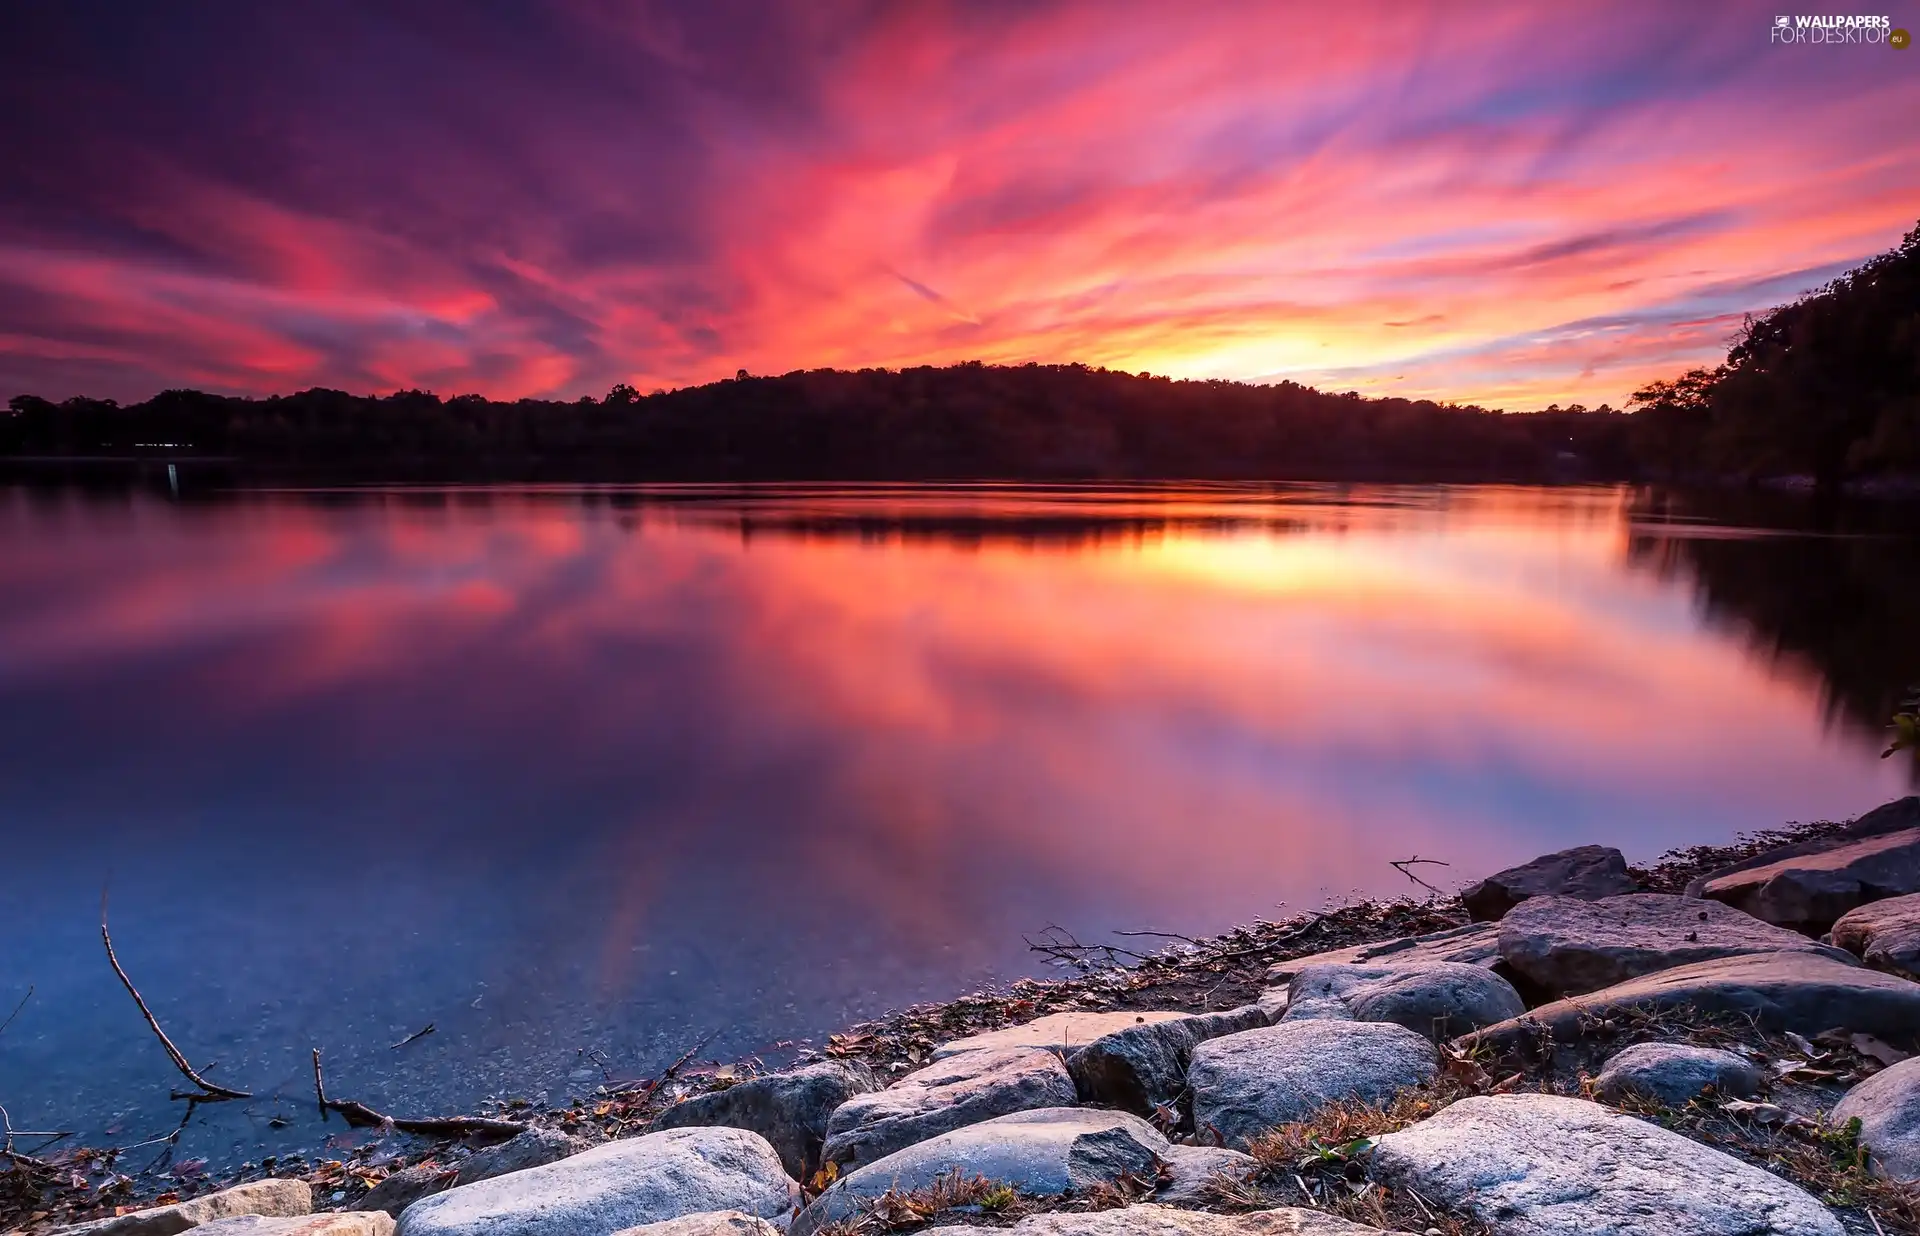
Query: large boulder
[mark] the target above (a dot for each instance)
(710, 1223)
(1897, 816)
(1189, 1173)
(1884, 934)
(1888, 1107)
(1675, 1073)
(1149, 1219)
(1442, 1001)
(1811, 892)
(1586, 872)
(1568, 947)
(533, 1148)
(616, 1185)
(1476, 944)
(947, 1094)
(344, 1223)
(1065, 1033)
(274, 1198)
(1244, 1084)
(1144, 1067)
(1803, 992)
(1543, 1165)
(789, 1109)
(1042, 1153)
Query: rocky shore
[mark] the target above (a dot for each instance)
(1720, 1044)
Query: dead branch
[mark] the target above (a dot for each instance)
(16, 1009)
(360, 1116)
(1404, 865)
(209, 1091)
(416, 1035)
(8, 1152)
(667, 1074)
(1163, 935)
(1059, 946)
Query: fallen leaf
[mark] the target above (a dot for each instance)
(1873, 1048)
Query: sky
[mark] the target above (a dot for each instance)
(1511, 204)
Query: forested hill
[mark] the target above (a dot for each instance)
(964, 421)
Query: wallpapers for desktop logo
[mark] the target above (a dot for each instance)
(1838, 30)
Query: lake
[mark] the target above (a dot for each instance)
(578, 775)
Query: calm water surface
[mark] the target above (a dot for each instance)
(569, 772)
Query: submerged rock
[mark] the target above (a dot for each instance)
(790, 1109)
(273, 1198)
(1064, 1033)
(616, 1185)
(1888, 1107)
(1041, 1153)
(1442, 1000)
(1884, 934)
(1586, 872)
(1568, 947)
(1811, 892)
(961, 1090)
(1543, 1165)
(1674, 1073)
(1148, 1219)
(1244, 1084)
(1144, 1066)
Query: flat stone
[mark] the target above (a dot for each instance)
(616, 1185)
(274, 1198)
(1897, 816)
(1888, 1105)
(1144, 1066)
(1189, 1173)
(1674, 1073)
(1442, 1000)
(1803, 992)
(961, 1090)
(1042, 1153)
(1244, 1084)
(1811, 892)
(1064, 1033)
(1569, 947)
(1884, 934)
(1476, 944)
(711, 1223)
(1148, 1219)
(342, 1223)
(789, 1109)
(534, 1148)
(1586, 872)
(405, 1187)
(1543, 1165)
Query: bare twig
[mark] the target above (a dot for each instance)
(1058, 945)
(209, 1091)
(1404, 866)
(8, 1152)
(667, 1074)
(1163, 935)
(421, 1033)
(360, 1116)
(16, 1009)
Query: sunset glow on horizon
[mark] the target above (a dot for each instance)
(1501, 203)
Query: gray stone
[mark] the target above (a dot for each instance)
(1042, 1153)
(962, 1090)
(1811, 892)
(1543, 1165)
(343, 1223)
(1064, 1033)
(1884, 934)
(1190, 1173)
(534, 1148)
(616, 1185)
(789, 1109)
(1442, 1000)
(274, 1198)
(405, 1187)
(1888, 1106)
(1570, 947)
(1246, 1083)
(1149, 1219)
(1476, 944)
(1675, 1073)
(1585, 872)
(710, 1223)
(1896, 816)
(1802, 992)
(1144, 1066)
